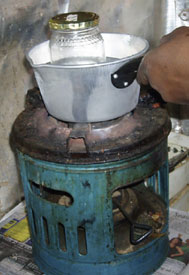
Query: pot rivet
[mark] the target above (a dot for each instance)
(125, 84)
(115, 76)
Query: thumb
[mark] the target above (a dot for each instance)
(142, 77)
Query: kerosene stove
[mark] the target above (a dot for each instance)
(96, 193)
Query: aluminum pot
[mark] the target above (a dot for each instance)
(91, 93)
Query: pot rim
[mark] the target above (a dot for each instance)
(125, 59)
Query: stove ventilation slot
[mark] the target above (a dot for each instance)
(82, 242)
(46, 230)
(62, 237)
(34, 222)
(55, 196)
(154, 182)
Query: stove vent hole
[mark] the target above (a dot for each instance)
(62, 237)
(77, 145)
(55, 196)
(154, 183)
(35, 188)
(46, 231)
(82, 242)
(34, 222)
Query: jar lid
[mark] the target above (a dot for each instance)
(74, 21)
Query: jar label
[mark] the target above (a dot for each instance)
(72, 17)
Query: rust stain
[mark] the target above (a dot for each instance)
(41, 136)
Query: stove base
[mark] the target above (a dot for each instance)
(143, 261)
(71, 214)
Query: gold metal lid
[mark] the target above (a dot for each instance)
(74, 21)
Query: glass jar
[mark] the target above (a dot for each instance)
(76, 39)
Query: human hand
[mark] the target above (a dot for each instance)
(166, 68)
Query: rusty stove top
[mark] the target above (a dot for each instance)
(41, 136)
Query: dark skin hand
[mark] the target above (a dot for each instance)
(166, 68)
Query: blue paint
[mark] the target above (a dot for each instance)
(91, 187)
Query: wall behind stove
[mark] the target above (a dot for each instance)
(24, 24)
(147, 18)
(150, 19)
(124, 16)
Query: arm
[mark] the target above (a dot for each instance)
(166, 68)
(180, 252)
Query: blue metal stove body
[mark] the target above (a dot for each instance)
(91, 188)
(70, 208)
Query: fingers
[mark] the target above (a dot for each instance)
(165, 39)
(166, 68)
(142, 77)
(175, 34)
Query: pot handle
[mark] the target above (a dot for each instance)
(125, 76)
